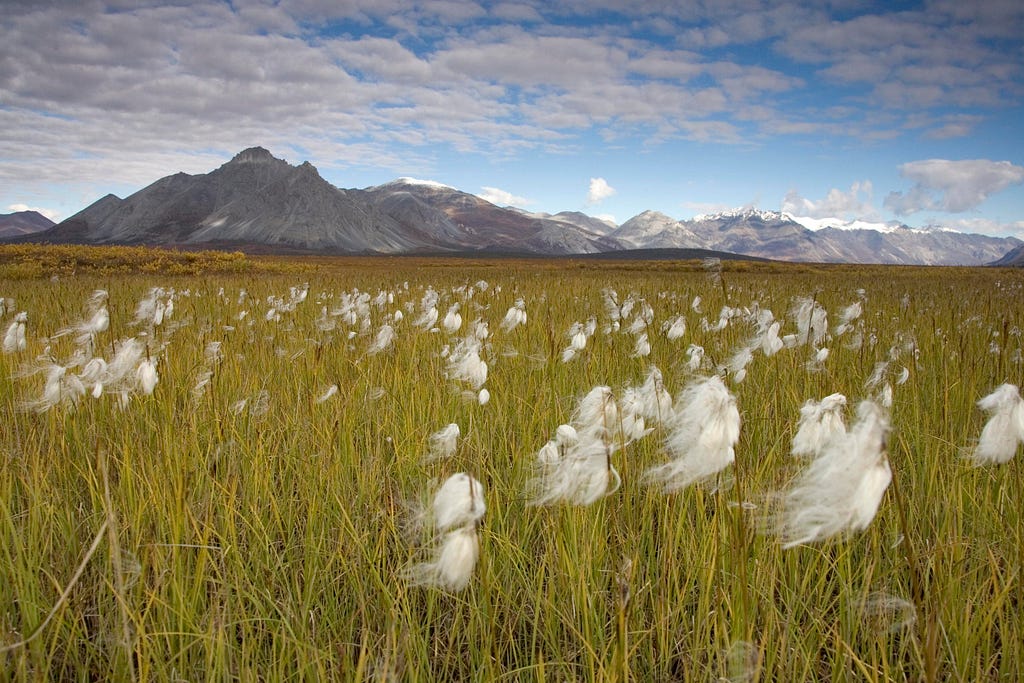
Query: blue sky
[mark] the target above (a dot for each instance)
(849, 109)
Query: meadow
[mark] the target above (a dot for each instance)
(249, 498)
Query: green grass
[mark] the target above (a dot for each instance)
(269, 541)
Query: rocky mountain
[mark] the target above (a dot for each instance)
(1014, 257)
(257, 199)
(23, 223)
(775, 235)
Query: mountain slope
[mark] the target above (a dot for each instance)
(260, 202)
(257, 199)
(23, 223)
(776, 235)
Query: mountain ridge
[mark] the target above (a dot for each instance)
(257, 199)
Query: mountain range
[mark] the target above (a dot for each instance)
(256, 201)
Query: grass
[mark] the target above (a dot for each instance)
(268, 540)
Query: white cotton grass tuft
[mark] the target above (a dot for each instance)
(444, 442)
(675, 328)
(453, 563)
(841, 489)
(811, 322)
(702, 434)
(1004, 430)
(328, 393)
(458, 507)
(465, 364)
(382, 341)
(14, 339)
(576, 466)
(514, 317)
(458, 502)
(147, 376)
(820, 422)
(695, 357)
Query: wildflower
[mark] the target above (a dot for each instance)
(515, 316)
(811, 322)
(458, 507)
(452, 320)
(147, 376)
(675, 328)
(695, 356)
(1004, 430)
(842, 488)
(444, 442)
(820, 422)
(579, 470)
(453, 563)
(383, 341)
(702, 434)
(14, 340)
(331, 391)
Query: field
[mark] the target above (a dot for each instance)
(235, 517)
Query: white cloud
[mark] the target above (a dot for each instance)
(49, 213)
(599, 191)
(836, 204)
(501, 197)
(952, 186)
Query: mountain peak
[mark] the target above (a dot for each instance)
(743, 213)
(253, 155)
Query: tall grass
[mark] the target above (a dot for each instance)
(268, 540)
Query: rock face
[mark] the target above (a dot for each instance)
(257, 199)
(775, 235)
(22, 223)
(1014, 257)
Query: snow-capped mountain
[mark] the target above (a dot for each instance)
(777, 235)
(256, 200)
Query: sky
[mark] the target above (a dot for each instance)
(858, 110)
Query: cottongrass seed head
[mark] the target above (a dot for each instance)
(458, 507)
(840, 491)
(702, 434)
(1004, 430)
(820, 422)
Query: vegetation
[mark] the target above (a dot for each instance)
(244, 521)
(30, 261)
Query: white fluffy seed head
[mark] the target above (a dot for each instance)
(459, 501)
(702, 434)
(1004, 429)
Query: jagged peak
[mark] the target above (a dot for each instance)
(253, 155)
(744, 213)
(405, 180)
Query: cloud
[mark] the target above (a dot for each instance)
(501, 197)
(49, 213)
(857, 203)
(599, 191)
(952, 186)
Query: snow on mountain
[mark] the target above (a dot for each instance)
(257, 199)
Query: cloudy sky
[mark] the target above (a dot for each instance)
(856, 109)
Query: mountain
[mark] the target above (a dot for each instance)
(257, 199)
(23, 223)
(776, 235)
(598, 226)
(1014, 257)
